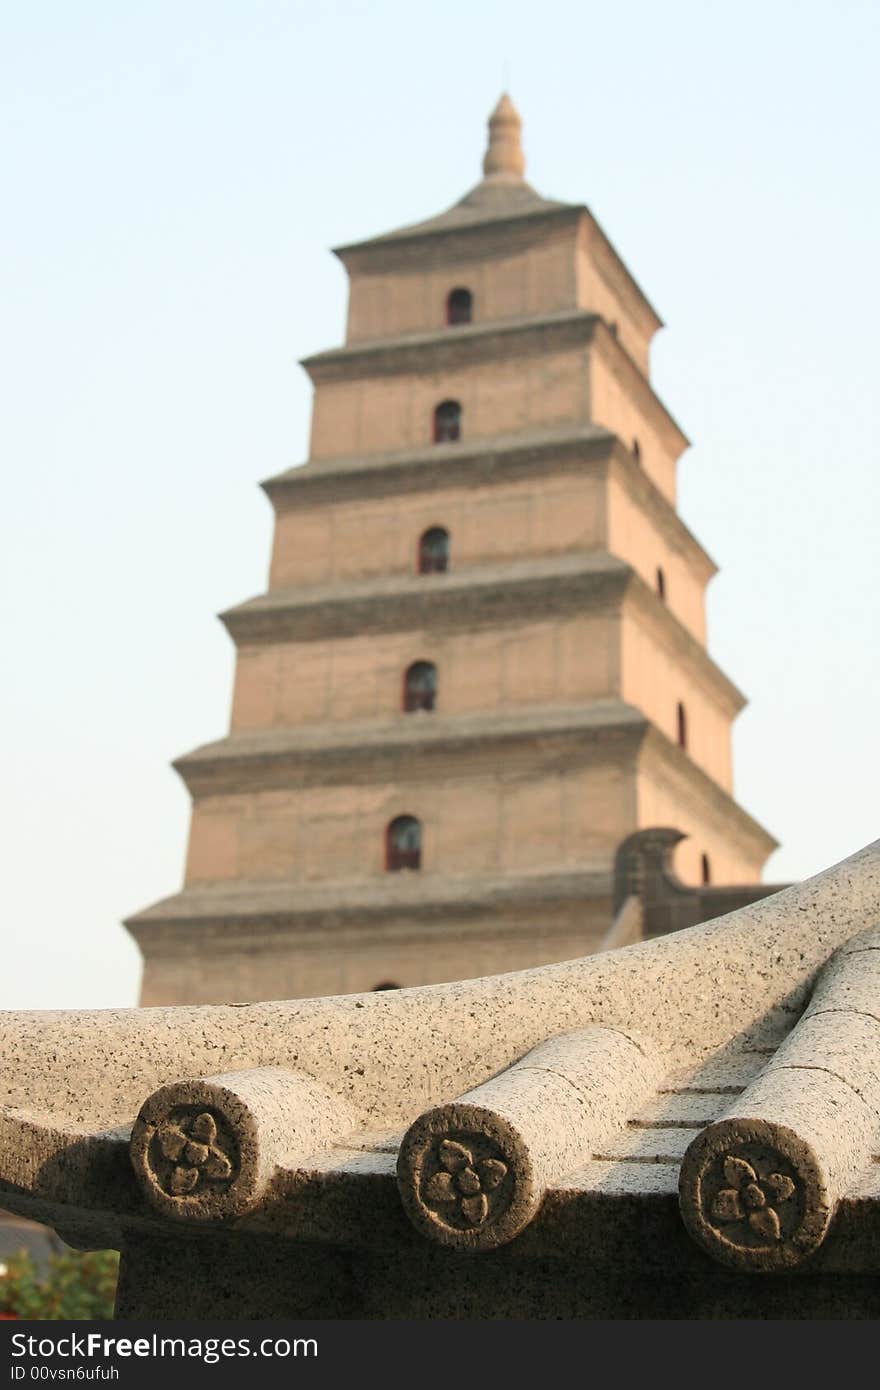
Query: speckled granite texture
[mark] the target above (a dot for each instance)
(648, 1132)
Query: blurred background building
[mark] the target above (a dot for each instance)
(481, 661)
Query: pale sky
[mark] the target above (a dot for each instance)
(173, 176)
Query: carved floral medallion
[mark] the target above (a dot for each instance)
(466, 1181)
(752, 1197)
(190, 1154)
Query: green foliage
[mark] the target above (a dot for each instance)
(75, 1285)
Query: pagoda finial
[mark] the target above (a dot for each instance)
(504, 160)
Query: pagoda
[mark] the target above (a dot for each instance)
(481, 660)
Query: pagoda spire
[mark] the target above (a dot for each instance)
(504, 161)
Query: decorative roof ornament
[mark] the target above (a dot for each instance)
(504, 161)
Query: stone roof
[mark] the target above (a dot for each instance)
(281, 754)
(434, 348)
(485, 202)
(364, 900)
(592, 567)
(585, 439)
(719, 1084)
(502, 192)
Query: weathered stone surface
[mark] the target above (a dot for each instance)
(598, 1086)
(393, 1055)
(759, 1186)
(473, 1173)
(208, 1148)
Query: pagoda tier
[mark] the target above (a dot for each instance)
(536, 493)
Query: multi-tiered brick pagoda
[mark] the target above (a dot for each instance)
(481, 661)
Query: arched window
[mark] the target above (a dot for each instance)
(434, 551)
(706, 868)
(386, 984)
(637, 451)
(682, 726)
(661, 583)
(447, 422)
(403, 844)
(459, 306)
(420, 686)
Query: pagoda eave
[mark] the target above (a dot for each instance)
(533, 740)
(441, 348)
(385, 250)
(471, 597)
(310, 909)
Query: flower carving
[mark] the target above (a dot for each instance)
(464, 1181)
(751, 1198)
(190, 1146)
